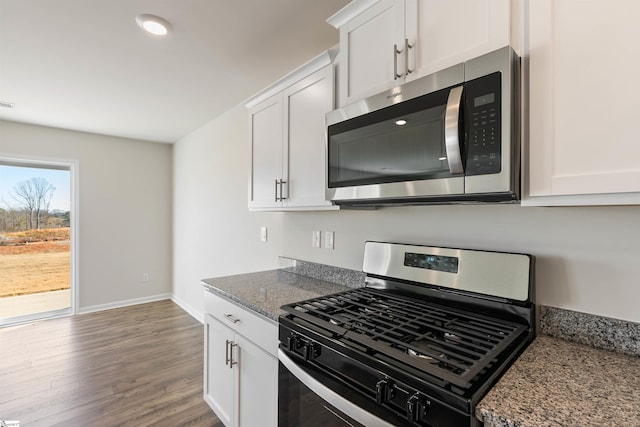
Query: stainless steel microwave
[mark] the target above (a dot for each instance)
(452, 136)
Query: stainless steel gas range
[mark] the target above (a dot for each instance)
(420, 344)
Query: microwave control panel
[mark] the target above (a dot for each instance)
(484, 146)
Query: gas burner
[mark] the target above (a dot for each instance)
(411, 352)
(448, 336)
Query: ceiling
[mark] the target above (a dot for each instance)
(85, 64)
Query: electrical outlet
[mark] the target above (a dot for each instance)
(263, 234)
(145, 277)
(315, 239)
(328, 239)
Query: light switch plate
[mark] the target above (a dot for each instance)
(263, 234)
(328, 239)
(315, 239)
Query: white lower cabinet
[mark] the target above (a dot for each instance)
(258, 383)
(240, 376)
(220, 381)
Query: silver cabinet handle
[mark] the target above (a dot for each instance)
(407, 46)
(276, 190)
(231, 362)
(231, 319)
(350, 409)
(279, 183)
(451, 134)
(228, 353)
(395, 62)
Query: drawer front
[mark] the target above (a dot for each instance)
(252, 326)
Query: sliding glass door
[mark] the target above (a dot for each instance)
(36, 263)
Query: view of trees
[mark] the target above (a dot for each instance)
(35, 240)
(29, 208)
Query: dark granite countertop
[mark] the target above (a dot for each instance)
(266, 291)
(562, 383)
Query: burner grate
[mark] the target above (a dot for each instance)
(449, 343)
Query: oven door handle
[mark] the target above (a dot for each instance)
(452, 131)
(330, 396)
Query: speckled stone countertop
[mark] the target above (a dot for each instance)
(265, 292)
(597, 331)
(561, 383)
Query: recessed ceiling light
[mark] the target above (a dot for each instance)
(153, 24)
(401, 122)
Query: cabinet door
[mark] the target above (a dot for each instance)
(306, 104)
(258, 386)
(219, 380)
(367, 49)
(447, 32)
(583, 144)
(266, 128)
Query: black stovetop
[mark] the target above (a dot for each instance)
(449, 344)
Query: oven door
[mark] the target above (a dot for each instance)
(412, 148)
(308, 397)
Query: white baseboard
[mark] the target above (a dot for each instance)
(124, 303)
(189, 309)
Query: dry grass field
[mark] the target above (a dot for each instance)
(35, 267)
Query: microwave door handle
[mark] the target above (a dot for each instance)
(451, 130)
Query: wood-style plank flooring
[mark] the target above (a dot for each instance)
(134, 366)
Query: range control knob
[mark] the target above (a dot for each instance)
(293, 342)
(417, 408)
(385, 390)
(311, 350)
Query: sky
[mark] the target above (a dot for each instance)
(10, 176)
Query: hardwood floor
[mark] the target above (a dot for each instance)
(132, 366)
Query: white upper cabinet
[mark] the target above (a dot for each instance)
(305, 106)
(287, 128)
(387, 42)
(369, 61)
(448, 32)
(583, 137)
(267, 165)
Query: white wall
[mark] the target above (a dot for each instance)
(214, 233)
(588, 258)
(124, 209)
